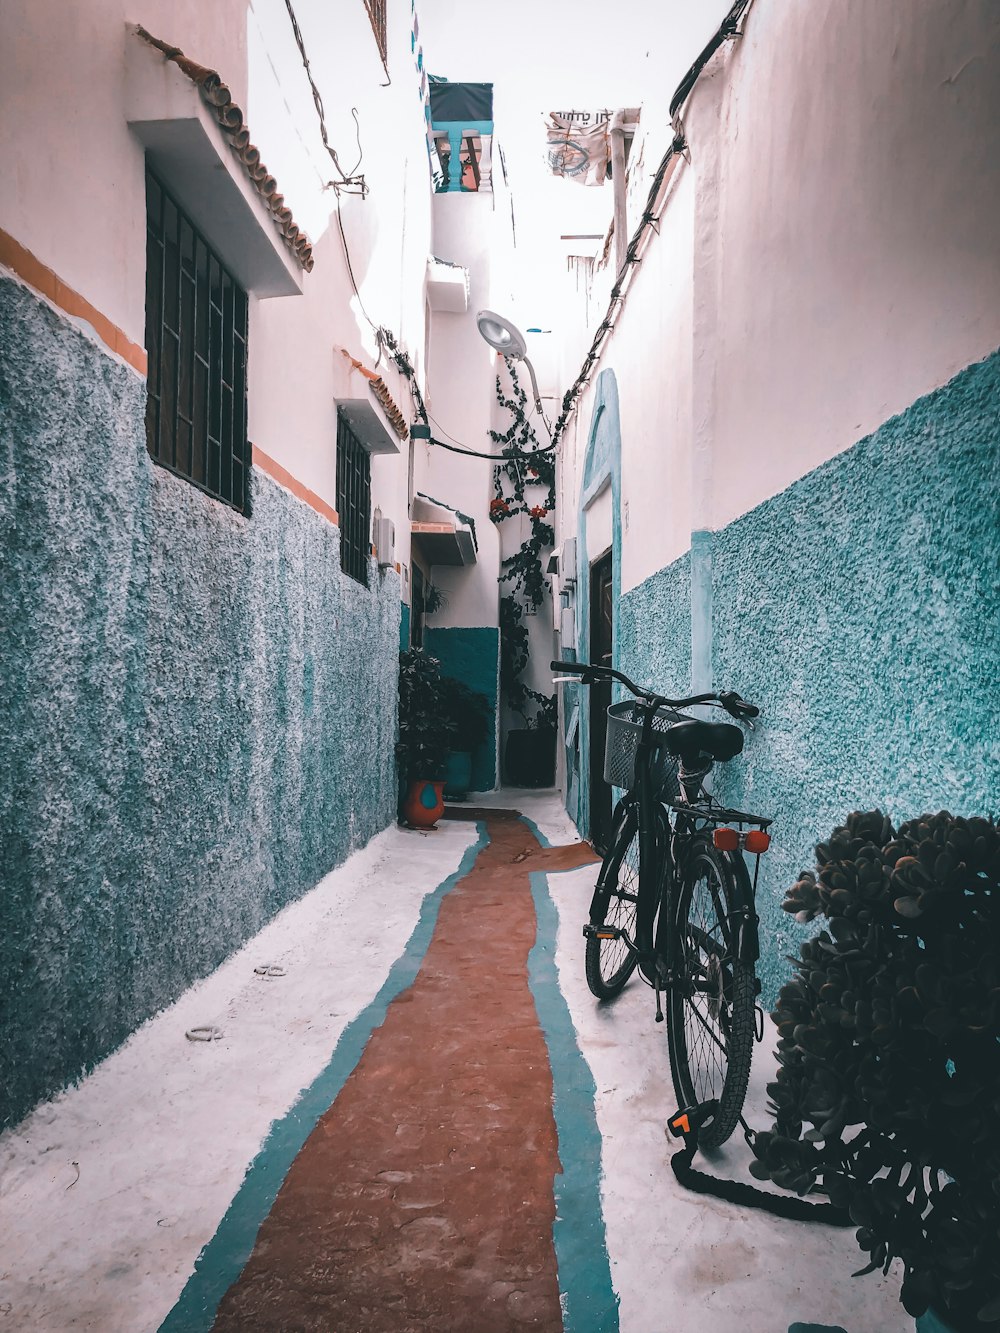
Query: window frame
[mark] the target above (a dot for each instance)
(354, 502)
(197, 338)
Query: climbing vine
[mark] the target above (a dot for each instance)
(522, 487)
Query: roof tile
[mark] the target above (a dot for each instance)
(219, 99)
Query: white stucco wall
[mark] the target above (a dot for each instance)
(830, 253)
(860, 260)
(77, 194)
(461, 401)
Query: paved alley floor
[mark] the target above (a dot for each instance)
(412, 1116)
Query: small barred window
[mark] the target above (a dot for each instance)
(354, 501)
(196, 344)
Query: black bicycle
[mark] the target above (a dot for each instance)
(674, 897)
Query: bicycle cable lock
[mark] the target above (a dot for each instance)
(686, 1124)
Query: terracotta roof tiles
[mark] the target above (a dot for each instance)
(219, 99)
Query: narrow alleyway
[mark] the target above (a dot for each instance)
(426, 1189)
(421, 1120)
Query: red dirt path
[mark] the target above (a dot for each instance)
(423, 1198)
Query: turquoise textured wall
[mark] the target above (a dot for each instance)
(189, 741)
(654, 630)
(860, 609)
(472, 655)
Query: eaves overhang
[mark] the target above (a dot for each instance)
(442, 535)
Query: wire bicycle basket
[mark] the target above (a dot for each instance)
(624, 732)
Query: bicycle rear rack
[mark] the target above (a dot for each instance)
(708, 813)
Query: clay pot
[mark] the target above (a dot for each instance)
(424, 803)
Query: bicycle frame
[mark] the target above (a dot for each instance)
(662, 840)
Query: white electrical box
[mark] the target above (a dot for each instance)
(567, 627)
(567, 563)
(384, 536)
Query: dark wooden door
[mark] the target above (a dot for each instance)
(601, 636)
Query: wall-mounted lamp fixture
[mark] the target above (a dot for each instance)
(507, 339)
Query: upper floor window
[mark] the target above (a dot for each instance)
(196, 343)
(376, 13)
(354, 501)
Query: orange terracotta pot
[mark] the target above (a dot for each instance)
(424, 804)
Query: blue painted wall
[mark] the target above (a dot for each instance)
(188, 740)
(860, 609)
(601, 470)
(472, 655)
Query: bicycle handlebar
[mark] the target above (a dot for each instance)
(591, 672)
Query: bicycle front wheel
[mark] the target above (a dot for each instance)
(711, 1003)
(610, 963)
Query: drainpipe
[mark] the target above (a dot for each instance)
(705, 128)
(617, 132)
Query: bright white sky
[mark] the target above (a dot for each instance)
(541, 56)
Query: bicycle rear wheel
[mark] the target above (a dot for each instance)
(711, 1004)
(610, 963)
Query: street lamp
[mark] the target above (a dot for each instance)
(507, 339)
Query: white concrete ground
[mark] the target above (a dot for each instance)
(682, 1262)
(109, 1192)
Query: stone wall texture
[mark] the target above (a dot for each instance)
(198, 715)
(860, 609)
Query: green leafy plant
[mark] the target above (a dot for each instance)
(518, 483)
(470, 714)
(426, 726)
(434, 598)
(887, 1096)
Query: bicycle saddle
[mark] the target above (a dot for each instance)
(692, 737)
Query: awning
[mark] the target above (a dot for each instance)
(443, 535)
(447, 286)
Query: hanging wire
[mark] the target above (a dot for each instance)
(350, 272)
(351, 182)
(524, 455)
(727, 31)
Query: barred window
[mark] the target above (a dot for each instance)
(354, 501)
(196, 343)
(376, 14)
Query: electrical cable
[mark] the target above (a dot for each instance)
(728, 29)
(348, 181)
(521, 454)
(350, 271)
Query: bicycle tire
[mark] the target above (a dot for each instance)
(609, 963)
(711, 1005)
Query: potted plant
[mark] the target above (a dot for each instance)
(425, 737)
(471, 715)
(887, 1096)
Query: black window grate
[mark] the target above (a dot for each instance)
(354, 497)
(376, 14)
(196, 343)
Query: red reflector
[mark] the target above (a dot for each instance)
(726, 839)
(757, 841)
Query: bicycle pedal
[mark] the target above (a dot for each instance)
(592, 932)
(689, 1119)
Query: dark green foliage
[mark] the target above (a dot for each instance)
(470, 714)
(427, 728)
(518, 484)
(887, 1096)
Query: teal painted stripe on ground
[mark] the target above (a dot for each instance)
(589, 1301)
(225, 1256)
(543, 840)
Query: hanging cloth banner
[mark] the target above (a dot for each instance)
(577, 148)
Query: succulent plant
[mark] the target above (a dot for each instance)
(887, 1094)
